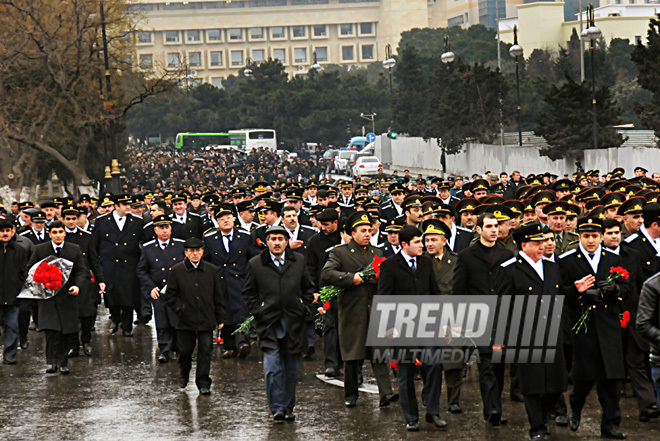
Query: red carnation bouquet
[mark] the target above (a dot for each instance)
(46, 277)
(616, 273)
(327, 293)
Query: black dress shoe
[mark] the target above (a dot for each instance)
(114, 328)
(612, 434)
(289, 416)
(205, 391)
(9, 360)
(163, 357)
(183, 382)
(309, 352)
(561, 420)
(25, 344)
(244, 351)
(64, 370)
(495, 419)
(87, 349)
(387, 399)
(330, 372)
(51, 369)
(229, 354)
(435, 419)
(648, 413)
(127, 333)
(455, 408)
(278, 416)
(350, 402)
(573, 421)
(412, 426)
(73, 353)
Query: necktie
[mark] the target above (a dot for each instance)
(58, 250)
(163, 246)
(591, 256)
(280, 263)
(227, 238)
(412, 265)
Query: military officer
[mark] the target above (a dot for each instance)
(646, 241)
(192, 223)
(392, 246)
(246, 213)
(393, 208)
(556, 213)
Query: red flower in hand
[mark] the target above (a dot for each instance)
(376, 265)
(625, 317)
(417, 362)
(621, 271)
(394, 364)
(326, 305)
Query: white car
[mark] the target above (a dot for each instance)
(342, 159)
(366, 166)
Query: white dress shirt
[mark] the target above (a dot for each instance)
(595, 261)
(120, 220)
(538, 266)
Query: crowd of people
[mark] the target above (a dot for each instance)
(243, 245)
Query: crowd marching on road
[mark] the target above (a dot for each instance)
(244, 246)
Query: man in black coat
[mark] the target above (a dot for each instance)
(598, 353)
(58, 315)
(460, 237)
(189, 224)
(317, 255)
(411, 272)
(156, 260)
(195, 295)
(279, 293)
(532, 277)
(116, 238)
(90, 294)
(13, 271)
(477, 271)
(647, 240)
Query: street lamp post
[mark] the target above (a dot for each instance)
(315, 65)
(248, 72)
(517, 51)
(116, 186)
(389, 63)
(370, 117)
(591, 34)
(447, 56)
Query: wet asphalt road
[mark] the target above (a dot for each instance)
(122, 393)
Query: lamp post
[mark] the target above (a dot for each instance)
(315, 65)
(447, 56)
(370, 117)
(517, 51)
(389, 63)
(591, 34)
(109, 105)
(248, 72)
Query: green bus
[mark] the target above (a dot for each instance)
(198, 141)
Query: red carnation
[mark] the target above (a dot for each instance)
(326, 305)
(394, 364)
(49, 276)
(621, 271)
(376, 265)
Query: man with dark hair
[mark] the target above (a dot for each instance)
(191, 223)
(460, 237)
(647, 240)
(484, 258)
(648, 325)
(195, 295)
(411, 272)
(299, 234)
(279, 293)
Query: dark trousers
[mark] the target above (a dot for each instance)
(27, 309)
(609, 392)
(491, 382)
(123, 315)
(331, 352)
(638, 369)
(432, 387)
(311, 334)
(9, 317)
(454, 382)
(560, 408)
(281, 370)
(186, 341)
(85, 337)
(352, 371)
(514, 379)
(232, 342)
(538, 407)
(166, 340)
(56, 348)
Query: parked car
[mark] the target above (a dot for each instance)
(351, 162)
(341, 161)
(327, 161)
(366, 166)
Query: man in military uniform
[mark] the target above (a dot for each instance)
(504, 236)
(412, 209)
(392, 246)
(460, 237)
(192, 223)
(230, 249)
(646, 240)
(295, 199)
(343, 270)
(271, 213)
(435, 241)
(116, 239)
(246, 215)
(556, 213)
(37, 233)
(465, 209)
(91, 289)
(393, 209)
(156, 260)
(631, 210)
(299, 234)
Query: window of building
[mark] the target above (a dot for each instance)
(321, 54)
(146, 61)
(300, 55)
(216, 58)
(366, 28)
(345, 29)
(193, 36)
(258, 56)
(257, 34)
(319, 31)
(298, 31)
(172, 36)
(173, 60)
(638, 40)
(217, 82)
(456, 21)
(277, 32)
(213, 35)
(236, 58)
(143, 37)
(347, 53)
(194, 59)
(235, 34)
(367, 51)
(279, 55)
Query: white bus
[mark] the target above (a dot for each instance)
(251, 139)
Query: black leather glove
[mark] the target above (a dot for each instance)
(592, 296)
(609, 289)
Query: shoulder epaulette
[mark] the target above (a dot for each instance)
(608, 250)
(631, 237)
(568, 253)
(151, 242)
(25, 233)
(193, 214)
(334, 246)
(573, 242)
(508, 262)
(103, 216)
(135, 215)
(309, 228)
(464, 229)
(386, 205)
(174, 239)
(84, 231)
(147, 225)
(210, 232)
